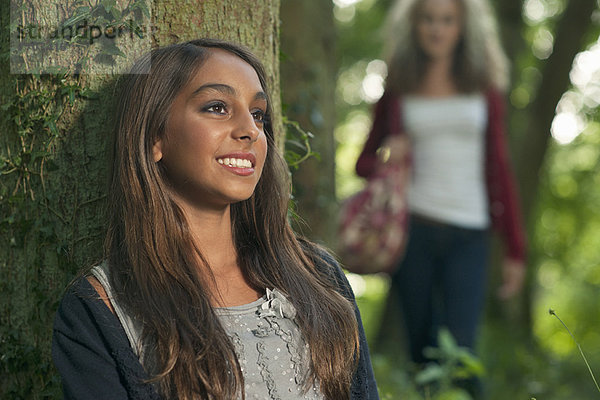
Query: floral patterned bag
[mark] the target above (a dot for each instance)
(373, 223)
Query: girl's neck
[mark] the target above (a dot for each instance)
(438, 80)
(212, 233)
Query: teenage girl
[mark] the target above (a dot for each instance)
(205, 292)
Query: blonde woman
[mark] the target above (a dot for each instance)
(446, 74)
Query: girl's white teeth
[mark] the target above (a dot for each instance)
(235, 162)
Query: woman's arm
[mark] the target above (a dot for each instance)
(386, 121)
(503, 199)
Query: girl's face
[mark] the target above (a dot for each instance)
(439, 27)
(214, 147)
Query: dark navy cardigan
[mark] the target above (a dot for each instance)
(94, 357)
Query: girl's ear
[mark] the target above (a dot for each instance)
(157, 151)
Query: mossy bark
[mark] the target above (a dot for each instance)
(53, 163)
(308, 72)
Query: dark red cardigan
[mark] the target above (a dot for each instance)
(502, 194)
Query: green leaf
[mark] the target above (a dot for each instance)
(143, 6)
(453, 394)
(296, 143)
(76, 18)
(113, 50)
(446, 341)
(108, 5)
(117, 14)
(432, 373)
(88, 93)
(52, 126)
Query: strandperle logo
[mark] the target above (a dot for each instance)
(85, 31)
(101, 38)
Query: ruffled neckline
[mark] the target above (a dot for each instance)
(273, 304)
(243, 308)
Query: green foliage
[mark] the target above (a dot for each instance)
(359, 32)
(370, 292)
(567, 239)
(31, 122)
(27, 372)
(552, 312)
(297, 149)
(436, 381)
(393, 379)
(453, 363)
(297, 144)
(34, 111)
(518, 368)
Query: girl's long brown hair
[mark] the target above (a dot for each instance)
(152, 258)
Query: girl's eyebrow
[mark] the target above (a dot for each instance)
(225, 89)
(219, 87)
(260, 96)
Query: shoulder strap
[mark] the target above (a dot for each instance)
(132, 328)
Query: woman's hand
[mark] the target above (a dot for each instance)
(394, 149)
(513, 276)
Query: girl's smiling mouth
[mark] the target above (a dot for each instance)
(239, 163)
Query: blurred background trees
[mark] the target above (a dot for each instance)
(554, 134)
(308, 68)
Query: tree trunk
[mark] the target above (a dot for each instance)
(308, 88)
(53, 167)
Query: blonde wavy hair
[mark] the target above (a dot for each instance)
(480, 61)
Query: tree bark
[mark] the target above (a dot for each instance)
(52, 186)
(308, 90)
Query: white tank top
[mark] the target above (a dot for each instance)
(448, 141)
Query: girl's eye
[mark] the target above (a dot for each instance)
(259, 116)
(217, 108)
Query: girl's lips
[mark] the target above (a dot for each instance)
(247, 160)
(238, 163)
(239, 171)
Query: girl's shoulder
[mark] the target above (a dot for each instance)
(91, 348)
(494, 94)
(82, 308)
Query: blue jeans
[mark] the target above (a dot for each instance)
(441, 282)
